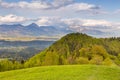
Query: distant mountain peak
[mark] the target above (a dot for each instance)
(33, 25)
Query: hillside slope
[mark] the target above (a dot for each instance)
(78, 48)
(69, 72)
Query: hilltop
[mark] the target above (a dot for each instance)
(78, 48)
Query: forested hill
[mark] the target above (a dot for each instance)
(78, 48)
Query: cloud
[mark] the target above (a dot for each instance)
(53, 8)
(55, 4)
(87, 22)
(11, 19)
(49, 21)
(86, 8)
(73, 22)
(78, 24)
(117, 11)
(36, 4)
(24, 4)
(44, 21)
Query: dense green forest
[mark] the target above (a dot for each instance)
(78, 48)
(74, 48)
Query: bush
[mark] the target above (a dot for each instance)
(96, 60)
(108, 62)
(82, 60)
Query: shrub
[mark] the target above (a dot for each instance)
(96, 59)
(82, 60)
(108, 62)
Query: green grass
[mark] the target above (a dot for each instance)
(68, 72)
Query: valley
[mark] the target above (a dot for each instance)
(22, 50)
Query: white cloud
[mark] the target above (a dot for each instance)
(55, 4)
(44, 21)
(101, 25)
(78, 24)
(91, 22)
(74, 22)
(87, 22)
(62, 8)
(37, 4)
(49, 21)
(24, 4)
(86, 8)
(11, 19)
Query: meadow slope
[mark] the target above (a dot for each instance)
(66, 72)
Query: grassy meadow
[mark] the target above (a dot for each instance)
(66, 72)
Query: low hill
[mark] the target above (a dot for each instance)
(78, 48)
(68, 72)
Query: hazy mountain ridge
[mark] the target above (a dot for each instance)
(33, 30)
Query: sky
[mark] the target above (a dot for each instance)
(73, 13)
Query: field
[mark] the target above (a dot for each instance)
(68, 72)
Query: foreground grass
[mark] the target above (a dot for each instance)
(69, 72)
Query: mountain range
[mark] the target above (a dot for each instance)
(33, 30)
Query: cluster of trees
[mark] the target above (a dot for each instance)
(18, 54)
(75, 48)
(95, 54)
(7, 64)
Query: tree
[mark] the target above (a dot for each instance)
(99, 50)
(51, 58)
(85, 52)
(96, 59)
